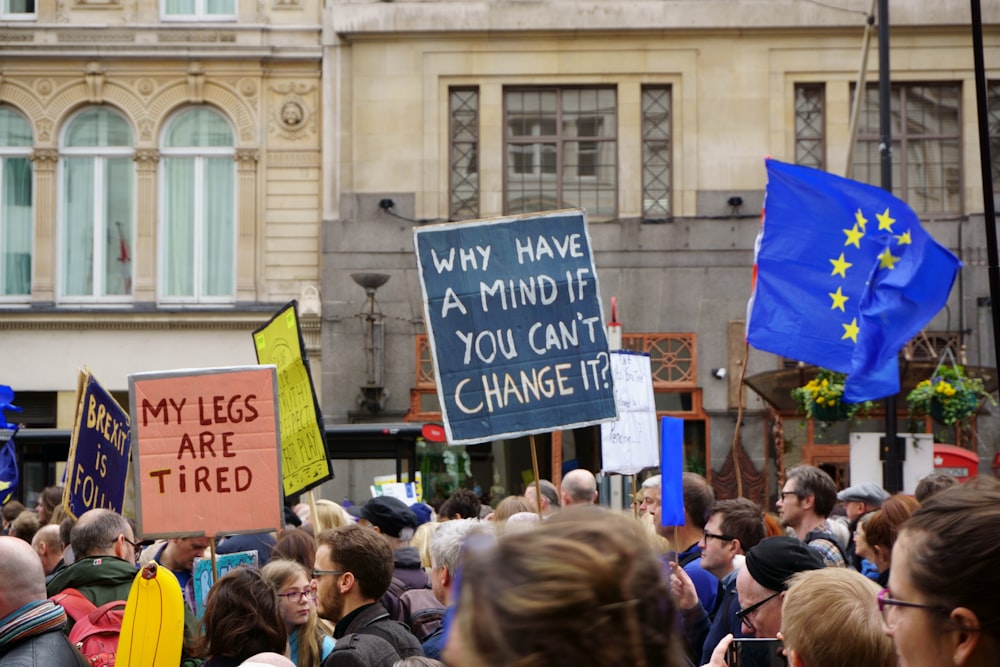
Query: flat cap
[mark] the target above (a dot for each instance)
(867, 492)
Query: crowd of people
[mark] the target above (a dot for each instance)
(849, 577)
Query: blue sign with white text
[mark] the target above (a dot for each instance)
(99, 454)
(516, 327)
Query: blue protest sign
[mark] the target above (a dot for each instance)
(99, 453)
(515, 323)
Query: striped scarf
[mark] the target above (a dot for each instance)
(32, 619)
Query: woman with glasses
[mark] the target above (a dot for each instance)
(941, 605)
(308, 640)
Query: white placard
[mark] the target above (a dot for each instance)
(631, 443)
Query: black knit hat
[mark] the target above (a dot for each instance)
(775, 559)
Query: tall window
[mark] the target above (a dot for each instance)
(463, 160)
(810, 144)
(98, 209)
(656, 163)
(561, 150)
(926, 145)
(198, 209)
(15, 204)
(17, 10)
(199, 9)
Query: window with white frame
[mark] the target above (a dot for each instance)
(16, 214)
(17, 10)
(561, 150)
(202, 10)
(97, 211)
(197, 236)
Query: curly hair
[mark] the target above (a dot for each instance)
(582, 576)
(241, 617)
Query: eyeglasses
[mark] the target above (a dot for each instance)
(721, 538)
(783, 494)
(298, 596)
(885, 600)
(744, 614)
(319, 573)
(136, 547)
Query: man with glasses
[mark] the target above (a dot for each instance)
(353, 570)
(806, 500)
(734, 527)
(763, 580)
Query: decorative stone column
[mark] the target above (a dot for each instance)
(246, 220)
(146, 161)
(46, 259)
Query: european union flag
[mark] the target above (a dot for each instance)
(844, 276)
(8, 459)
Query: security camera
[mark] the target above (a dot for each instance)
(719, 373)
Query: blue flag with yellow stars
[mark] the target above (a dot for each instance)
(844, 276)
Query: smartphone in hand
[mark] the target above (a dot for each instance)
(756, 652)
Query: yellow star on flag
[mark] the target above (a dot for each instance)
(839, 299)
(887, 260)
(854, 236)
(840, 266)
(904, 238)
(860, 219)
(851, 331)
(884, 221)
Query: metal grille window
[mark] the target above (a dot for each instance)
(926, 145)
(463, 159)
(810, 142)
(656, 163)
(561, 150)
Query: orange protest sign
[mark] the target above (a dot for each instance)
(206, 446)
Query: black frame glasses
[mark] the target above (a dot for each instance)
(885, 600)
(721, 538)
(136, 548)
(319, 573)
(788, 493)
(744, 614)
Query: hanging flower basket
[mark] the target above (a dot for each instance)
(821, 399)
(949, 396)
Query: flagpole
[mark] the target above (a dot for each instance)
(989, 210)
(892, 467)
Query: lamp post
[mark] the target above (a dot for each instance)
(373, 392)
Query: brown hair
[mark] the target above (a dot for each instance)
(815, 482)
(830, 617)
(958, 527)
(582, 576)
(311, 634)
(363, 552)
(241, 617)
(298, 545)
(883, 528)
(742, 519)
(510, 506)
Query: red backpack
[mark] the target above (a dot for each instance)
(96, 629)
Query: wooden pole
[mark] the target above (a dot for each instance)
(534, 469)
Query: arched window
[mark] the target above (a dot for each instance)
(97, 212)
(198, 209)
(16, 213)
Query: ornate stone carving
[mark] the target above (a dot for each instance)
(146, 158)
(196, 82)
(44, 87)
(248, 88)
(45, 159)
(145, 129)
(145, 86)
(44, 126)
(94, 79)
(246, 158)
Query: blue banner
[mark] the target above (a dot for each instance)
(671, 471)
(515, 323)
(99, 453)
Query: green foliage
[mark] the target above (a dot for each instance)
(822, 398)
(949, 396)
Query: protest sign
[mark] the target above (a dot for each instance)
(630, 444)
(100, 445)
(414, 489)
(203, 579)
(304, 460)
(206, 446)
(515, 324)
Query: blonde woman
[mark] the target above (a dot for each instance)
(329, 515)
(308, 640)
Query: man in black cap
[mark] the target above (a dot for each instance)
(762, 582)
(394, 520)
